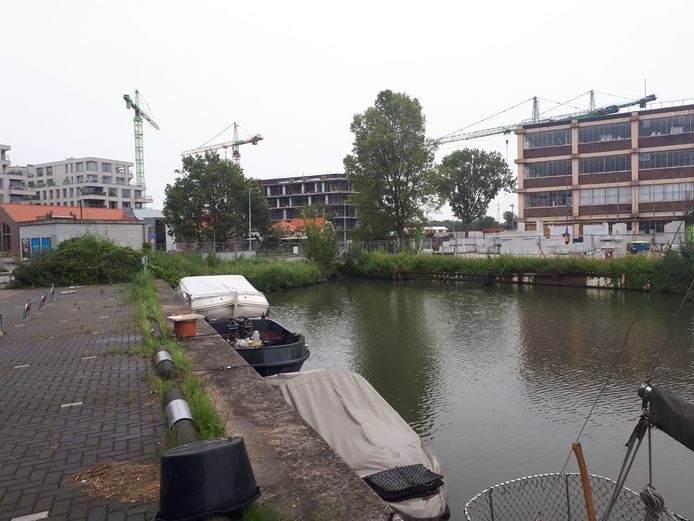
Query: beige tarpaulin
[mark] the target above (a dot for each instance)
(362, 428)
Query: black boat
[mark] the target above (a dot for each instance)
(267, 346)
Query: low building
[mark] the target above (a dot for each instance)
(155, 231)
(13, 185)
(26, 229)
(329, 193)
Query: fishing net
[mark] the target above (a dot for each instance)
(556, 497)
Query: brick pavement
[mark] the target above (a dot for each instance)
(69, 399)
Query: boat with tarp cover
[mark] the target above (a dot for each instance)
(372, 438)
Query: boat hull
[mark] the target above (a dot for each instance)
(282, 351)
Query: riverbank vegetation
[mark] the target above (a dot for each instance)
(143, 295)
(670, 274)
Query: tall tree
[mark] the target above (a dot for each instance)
(210, 201)
(391, 167)
(510, 220)
(470, 179)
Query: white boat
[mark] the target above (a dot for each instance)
(365, 431)
(222, 296)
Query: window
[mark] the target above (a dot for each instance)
(617, 195)
(609, 132)
(50, 182)
(64, 193)
(126, 204)
(91, 178)
(79, 167)
(125, 193)
(669, 159)
(49, 170)
(599, 165)
(652, 226)
(72, 192)
(120, 181)
(50, 194)
(666, 192)
(547, 168)
(39, 172)
(667, 125)
(80, 179)
(91, 166)
(549, 138)
(113, 192)
(106, 179)
(105, 167)
(138, 194)
(540, 199)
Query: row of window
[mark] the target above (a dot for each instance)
(602, 164)
(668, 192)
(609, 132)
(112, 192)
(618, 195)
(556, 168)
(615, 195)
(668, 125)
(669, 159)
(91, 166)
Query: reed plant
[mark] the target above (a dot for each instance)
(264, 275)
(639, 272)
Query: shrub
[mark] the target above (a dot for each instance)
(88, 259)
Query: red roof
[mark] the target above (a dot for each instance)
(297, 224)
(34, 212)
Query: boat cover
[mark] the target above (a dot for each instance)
(673, 415)
(216, 285)
(362, 428)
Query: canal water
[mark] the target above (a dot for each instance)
(500, 379)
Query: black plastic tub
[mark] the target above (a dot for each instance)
(204, 479)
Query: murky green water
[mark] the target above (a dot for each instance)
(500, 379)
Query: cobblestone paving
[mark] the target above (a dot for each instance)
(70, 397)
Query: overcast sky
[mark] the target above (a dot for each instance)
(297, 72)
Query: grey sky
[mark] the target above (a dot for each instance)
(297, 72)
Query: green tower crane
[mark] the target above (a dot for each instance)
(140, 114)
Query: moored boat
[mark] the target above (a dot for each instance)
(372, 438)
(267, 346)
(222, 296)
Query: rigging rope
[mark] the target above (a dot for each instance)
(216, 136)
(485, 119)
(654, 502)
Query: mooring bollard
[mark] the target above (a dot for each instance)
(52, 292)
(179, 417)
(42, 302)
(163, 363)
(26, 315)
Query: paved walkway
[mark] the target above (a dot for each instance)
(70, 397)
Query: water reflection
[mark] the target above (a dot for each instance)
(500, 379)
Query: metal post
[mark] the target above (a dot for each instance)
(344, 222)
(249, 220)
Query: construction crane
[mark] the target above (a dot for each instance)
(234, 144)
(507, 129)
(140, 114)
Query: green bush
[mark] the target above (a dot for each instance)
(89, 259)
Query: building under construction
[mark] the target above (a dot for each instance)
(635, 168)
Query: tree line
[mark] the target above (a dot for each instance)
(391, 168)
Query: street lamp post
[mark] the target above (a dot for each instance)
(249, 220)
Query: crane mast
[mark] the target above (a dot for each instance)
(140, 114)
(234, 145)
(507, 129)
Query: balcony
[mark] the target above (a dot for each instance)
(21, 192)
(146, 199)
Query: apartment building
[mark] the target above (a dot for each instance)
(93, 182)
(636, 168)
(329, 193)
(13, 186)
